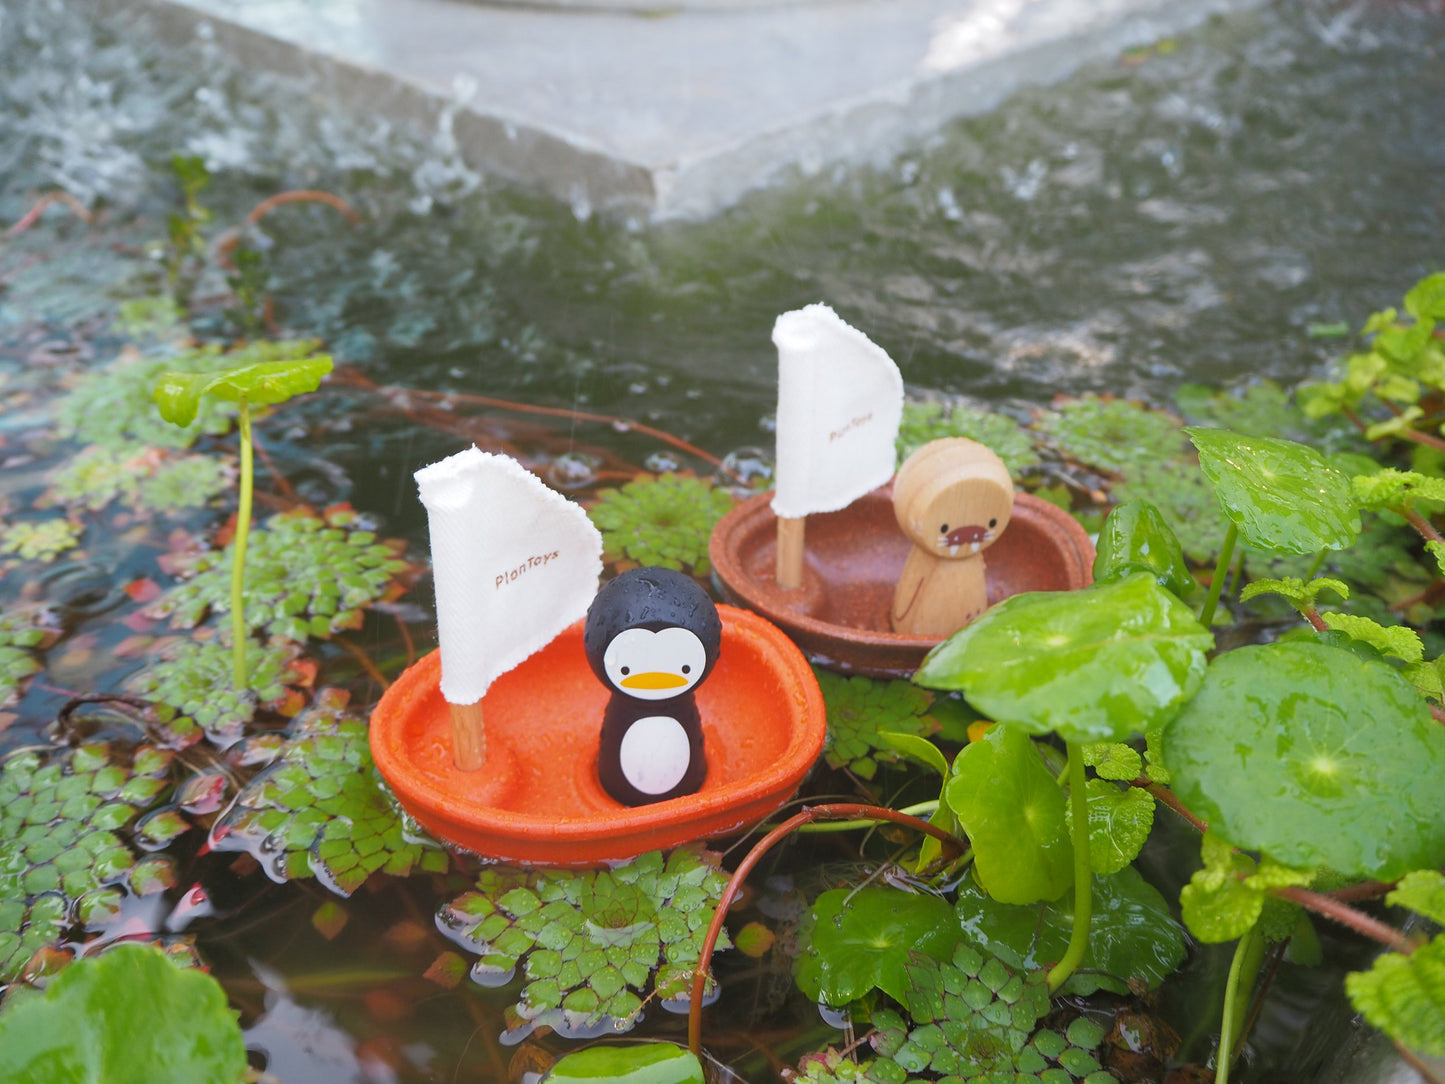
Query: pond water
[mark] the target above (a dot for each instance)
(1189, 213)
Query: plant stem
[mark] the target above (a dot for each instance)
(1346, 915)
(1243, 951)
(1216, 583)
(238, 561)
(1083, 877)
(1421, 524)
(1317, 564)
(922, 809)
(808, 814)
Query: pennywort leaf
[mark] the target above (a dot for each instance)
(178, 394)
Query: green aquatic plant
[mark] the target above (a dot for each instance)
(588, 942)
(190, 677)
(320, 809)
(663, 520)
(130, 1015)
(308, 575)
(20, 633)
(862, 710)
(638, 1063)
(178, 395)
(1114, 435)
(64, 815)
(1401, 993)
(40, 540)
(184, 254)
(146, 478)
(926, 421)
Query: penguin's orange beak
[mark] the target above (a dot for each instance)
(654, 679)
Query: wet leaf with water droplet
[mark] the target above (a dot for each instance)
(1316, 757)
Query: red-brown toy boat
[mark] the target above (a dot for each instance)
(537, 799)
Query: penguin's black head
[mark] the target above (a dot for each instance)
(652, 634)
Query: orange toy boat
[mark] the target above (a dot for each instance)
(537, 799)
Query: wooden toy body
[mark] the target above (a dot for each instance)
(953, 499)
(651, 752)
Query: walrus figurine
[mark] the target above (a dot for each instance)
(952, 498)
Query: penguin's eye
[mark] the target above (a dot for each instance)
(993, 523)
(687, 669)
(943, 529)
(626, 670)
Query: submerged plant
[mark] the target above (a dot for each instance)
(251, 383)
(41, 541)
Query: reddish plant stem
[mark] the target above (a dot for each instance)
(1345, 915)
(1365, 890)
(365, 662)
(32, 216)
(1429, 440)
(406, 639)
(1410, 1058)
(276, 476)
(1420, 523)
(807, 815)
(1165, 795)
(301, 195)
(1312, 615)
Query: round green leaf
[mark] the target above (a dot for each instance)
(178, 394)
(1093, 665)
(129, 1016)
(1131, 933)
(1135, 538)
(861, 939)
(642, 1063)
(1013, 811)
(1281, 495)
(1316, 757)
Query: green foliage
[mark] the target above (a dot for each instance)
(147, 478)
(1263, 409)
(1283, 496)
(1316, 757)
(178, 392)
(641, 1063)
(1184, 499)
(1423, 891)
(1013, 811)
(663, 521)
(184, 253)
(1100, 664)
(974, 1019)
(128, 1016)
(1404, 360)
(321, 809)
(860, 709)
(1224, 899)
(1113, 435)
(112, 406)
(19, 633)
(589, 940)
(1114, 760)
(1388, 488)
(307, 575)
(1132, 935)
(43, 540)
(1404, 996)
(60, 815)
(923, 422)
(1397, 640)
(1135, 538)
(1299, 594)
(831, 1067)
(193, 677)
(856, 940)
(1120, 819)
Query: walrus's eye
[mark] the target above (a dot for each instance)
(993, 523)
(943, 529)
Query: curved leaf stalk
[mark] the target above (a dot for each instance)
(1248, 954)
(1334, 909)
(922, 809)
(1216, 582)
(1083, 877)
(238, 563)
(807, 815)
(1425, 528)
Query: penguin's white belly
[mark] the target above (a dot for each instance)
(655, 754)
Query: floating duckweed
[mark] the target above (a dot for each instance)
(923, 422)
(1112, 435)
(321, 809)
(859, 707)
(306, 575)
(18, 632)
(61, 857)
(588, 941)
(42, 541)
(150, 479)
(193, 677)
(662, 521)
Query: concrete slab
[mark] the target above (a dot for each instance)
(678, 113)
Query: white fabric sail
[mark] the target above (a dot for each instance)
(840, 400)
(515, 563)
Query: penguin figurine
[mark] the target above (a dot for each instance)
(651, 636)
